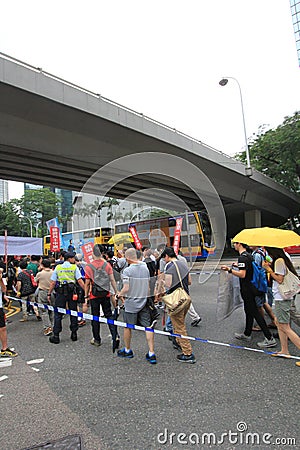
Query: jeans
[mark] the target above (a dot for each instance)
(95, 309)
(61, 301)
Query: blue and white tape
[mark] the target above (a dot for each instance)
(138, 327)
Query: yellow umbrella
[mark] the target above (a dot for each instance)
(267, 237)
(120, 238)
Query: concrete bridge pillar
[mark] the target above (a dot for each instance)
(252, 218)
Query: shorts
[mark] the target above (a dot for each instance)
(142, 318)
(2, 318)
(282, 310)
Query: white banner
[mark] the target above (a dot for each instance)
(21, 245)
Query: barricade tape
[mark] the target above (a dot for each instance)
(138, 327)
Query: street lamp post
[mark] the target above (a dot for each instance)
(223, 82)
(30, 223)
(36, 229)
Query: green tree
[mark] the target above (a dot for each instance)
(9, 219)
(276, 152)
(39, 205)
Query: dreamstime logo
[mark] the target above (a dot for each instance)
(239, 436)
(123, 174)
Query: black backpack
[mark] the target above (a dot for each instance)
(100, 282)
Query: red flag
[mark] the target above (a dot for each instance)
(136, 238)
(54, 239)
(87, 250)
(177, 234)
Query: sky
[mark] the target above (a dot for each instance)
(165, 58)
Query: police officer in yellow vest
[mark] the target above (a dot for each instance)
(64, 280)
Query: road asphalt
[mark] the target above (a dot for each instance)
(229, 398)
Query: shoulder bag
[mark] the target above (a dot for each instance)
(178, 299)
(290, 285)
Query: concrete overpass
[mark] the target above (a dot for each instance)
(55, 133)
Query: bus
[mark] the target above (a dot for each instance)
(81, 237)
(197, 232)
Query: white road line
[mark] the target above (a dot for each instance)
(36, 361)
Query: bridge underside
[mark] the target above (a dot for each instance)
(43, 141)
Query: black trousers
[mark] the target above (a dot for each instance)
(62, 301)
(252, 312)
(106, 308)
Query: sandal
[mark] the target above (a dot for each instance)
(281, 355)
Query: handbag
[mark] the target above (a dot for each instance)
(177, 300)
(290, 286)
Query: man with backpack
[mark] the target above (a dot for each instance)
(26, 289)
(244, 271)
(98, 278)
(259, 255)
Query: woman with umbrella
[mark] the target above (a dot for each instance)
(278, 269)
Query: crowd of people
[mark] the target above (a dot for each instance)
(133, 281)
(136, 282)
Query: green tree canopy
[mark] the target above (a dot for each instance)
(39, 205)
(9, 219)
(276, 152)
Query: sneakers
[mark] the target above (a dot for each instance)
(8, 353)
(54, 339)
(47, 331)
(151, 359)
(81, 323)
(95, 342)
(123, 354)
(242, 337)
(266, 343)
(39, 318)
(74, 336)
(186, 358)
(196, 322)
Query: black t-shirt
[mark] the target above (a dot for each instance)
(245, 263)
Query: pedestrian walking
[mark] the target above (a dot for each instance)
(244, 272)
(98, 279)
(134, 297)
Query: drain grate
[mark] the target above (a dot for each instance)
(67, 443)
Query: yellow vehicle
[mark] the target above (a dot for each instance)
(196, 233)
(81, 237)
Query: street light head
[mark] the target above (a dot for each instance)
(223, 82)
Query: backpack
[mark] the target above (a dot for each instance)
(117, 270)
(101, 282)
(259, 280)
(31, 276)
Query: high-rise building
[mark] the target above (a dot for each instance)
(3, 191)
(295, 10)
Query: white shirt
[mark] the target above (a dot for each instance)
(279, 269)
